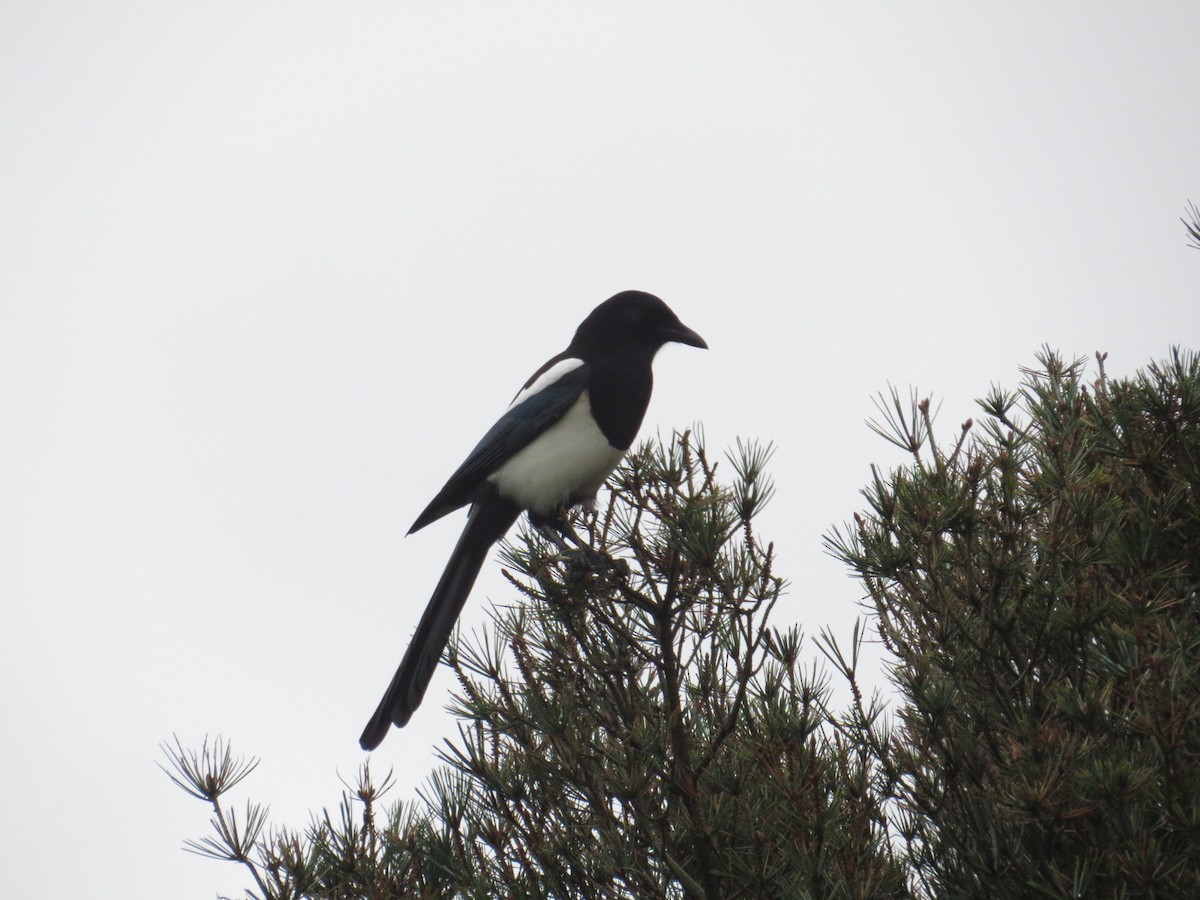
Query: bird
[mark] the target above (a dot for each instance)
(561, 437)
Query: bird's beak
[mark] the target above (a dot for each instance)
(682, 334)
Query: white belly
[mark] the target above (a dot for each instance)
(567, 462)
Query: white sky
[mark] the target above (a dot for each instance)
(269, 270)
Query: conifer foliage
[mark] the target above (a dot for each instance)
(1038, 586)
(631, 725)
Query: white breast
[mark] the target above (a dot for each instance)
(566, 463)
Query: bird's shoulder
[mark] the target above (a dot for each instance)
(564, 371)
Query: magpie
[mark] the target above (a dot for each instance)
(561, 437)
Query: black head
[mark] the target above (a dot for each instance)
(631, 322)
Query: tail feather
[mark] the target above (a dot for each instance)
(489, 521)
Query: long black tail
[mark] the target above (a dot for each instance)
(489, 521)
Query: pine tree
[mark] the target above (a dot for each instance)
(1039, 587)
(630, 727)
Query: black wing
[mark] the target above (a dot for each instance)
(514, 431)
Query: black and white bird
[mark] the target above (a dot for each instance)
(561, 437)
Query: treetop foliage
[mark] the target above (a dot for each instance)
(632, 725)
(1036, 581)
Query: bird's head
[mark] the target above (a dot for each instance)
(633, 320)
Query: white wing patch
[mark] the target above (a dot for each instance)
(551, 375)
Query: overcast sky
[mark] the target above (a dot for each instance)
(270, 269)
